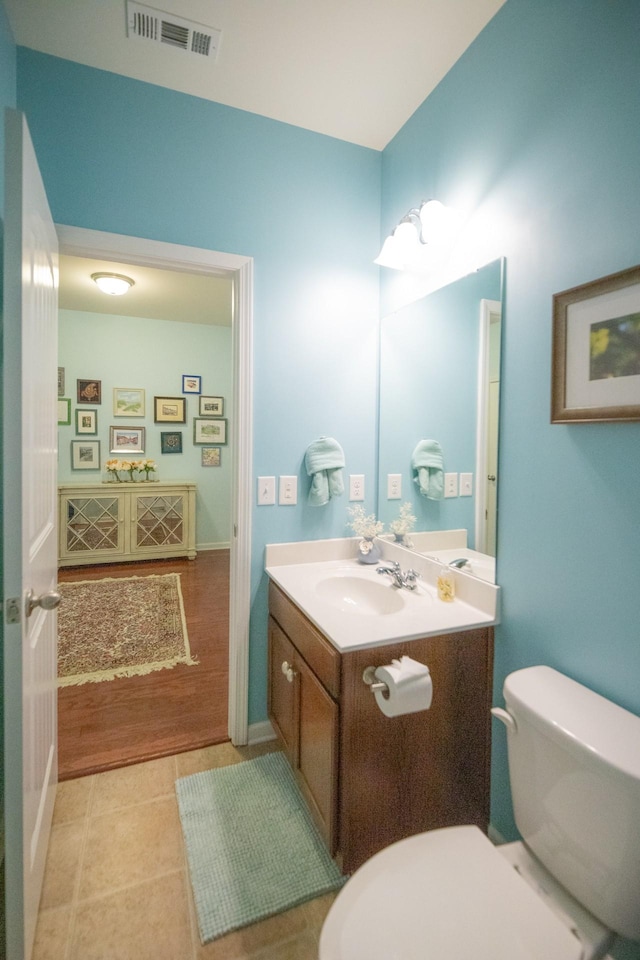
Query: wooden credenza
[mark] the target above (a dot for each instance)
(120, 522)
(369, 779)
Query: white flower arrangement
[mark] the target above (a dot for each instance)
(404, 523)
(364, 525)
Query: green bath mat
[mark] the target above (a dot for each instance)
(252, 846)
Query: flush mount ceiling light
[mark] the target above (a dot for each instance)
(428, 224)
(115, 284)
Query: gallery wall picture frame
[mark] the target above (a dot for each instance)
(169, 410)
(211, 456)
(170, 441)
(209, 431)
(61, 381)
(191, 383)
(595, 360)
(126, 440)
(89, 391)
(85, 454)
(64, 411)
(128, 402)
(86, 421)
(211, 406)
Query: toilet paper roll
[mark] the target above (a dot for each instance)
(409, 684)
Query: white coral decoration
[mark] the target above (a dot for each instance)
(364, 525)
(404, 523)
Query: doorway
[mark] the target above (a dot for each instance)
(78, 242)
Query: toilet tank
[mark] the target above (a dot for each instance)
(574, 767)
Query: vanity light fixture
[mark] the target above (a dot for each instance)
(421, 226)
(114, 284)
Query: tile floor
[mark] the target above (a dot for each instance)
(116, 884)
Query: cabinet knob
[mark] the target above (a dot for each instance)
(288, 671)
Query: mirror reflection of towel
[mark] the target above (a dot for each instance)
(428, 463)
(324, 461)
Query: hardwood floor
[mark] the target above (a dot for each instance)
(113, 724)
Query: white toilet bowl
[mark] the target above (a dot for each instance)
(450, 895)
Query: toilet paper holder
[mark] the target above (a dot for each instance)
(369, 677)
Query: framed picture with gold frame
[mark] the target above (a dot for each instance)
(169, 409)
(595, 360)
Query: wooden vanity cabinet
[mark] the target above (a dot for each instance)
(370, 779)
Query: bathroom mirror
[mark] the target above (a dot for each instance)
(440, 380)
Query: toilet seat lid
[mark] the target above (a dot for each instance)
(443, 895)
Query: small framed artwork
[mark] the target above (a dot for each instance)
(61, 381)
(169, 410)
(86, 421)
(595, 361)
(89, 391)
(209, 431)
(170, 441)
(191, 383)
(126, 440)
(211, 456)
(85, 454)
(64, 411)
(211, 406)
(128, 402)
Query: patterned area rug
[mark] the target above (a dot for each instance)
(120, 627)
(252, 846)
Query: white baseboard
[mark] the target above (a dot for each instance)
(201, 547)
(260, 732)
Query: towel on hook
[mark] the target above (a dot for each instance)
(324, 461)
(428, 463)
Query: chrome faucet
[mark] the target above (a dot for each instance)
(460, 562)
(407, 579)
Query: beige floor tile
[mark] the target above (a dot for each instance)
(138, 783)
(131, 845)
(72, 800)
(63, 864)
(51, 934)
(249, 941)
(146, 922)
(304, 947)
(221, 755)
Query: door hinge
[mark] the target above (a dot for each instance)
(12, 610)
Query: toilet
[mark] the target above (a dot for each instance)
(562, 893)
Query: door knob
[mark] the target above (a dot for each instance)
(47, 601)
(288, 671)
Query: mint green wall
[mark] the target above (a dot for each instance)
(152, 355)
(536, 133)
(132, 158)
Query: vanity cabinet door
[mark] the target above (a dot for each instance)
(318, 753)
(283, 700)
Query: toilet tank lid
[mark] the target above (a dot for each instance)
(571, 712)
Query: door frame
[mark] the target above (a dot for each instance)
(96, 244)
(490, 310)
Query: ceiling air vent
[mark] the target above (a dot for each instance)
(156, 26)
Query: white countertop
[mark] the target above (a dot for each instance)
(303, 571)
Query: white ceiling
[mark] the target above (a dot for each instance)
(351, 69)
(156, 294)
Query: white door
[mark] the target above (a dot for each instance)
(30, 344)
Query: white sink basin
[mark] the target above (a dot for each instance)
(357, 595)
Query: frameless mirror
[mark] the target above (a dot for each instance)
(440, 381)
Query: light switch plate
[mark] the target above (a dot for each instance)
(266, 491)
(466, 484)
(288, 491)
(451, 484)
(356, 486)
(394, 486)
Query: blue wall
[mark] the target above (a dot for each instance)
(128, 157)
(535, 134)
(152, 355)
